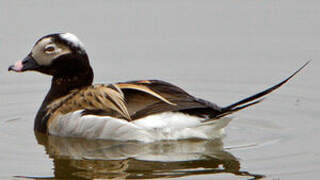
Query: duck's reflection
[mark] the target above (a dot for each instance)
(87, 159)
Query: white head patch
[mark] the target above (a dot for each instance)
(74, 41)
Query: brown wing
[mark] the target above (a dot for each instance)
(97, 99)
(131, 100)
(148, 97)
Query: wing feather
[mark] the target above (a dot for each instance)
(116, 100)
(143, 89)
(97, 97)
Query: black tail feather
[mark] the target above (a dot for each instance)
(249, 101)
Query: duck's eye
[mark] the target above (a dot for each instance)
(49, 49)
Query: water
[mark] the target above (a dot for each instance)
(218, 50)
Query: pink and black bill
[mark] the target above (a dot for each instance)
(27, 64)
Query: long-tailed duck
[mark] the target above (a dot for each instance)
(145, 110)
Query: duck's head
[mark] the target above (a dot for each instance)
(58, 55)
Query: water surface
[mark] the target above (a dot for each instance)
(217, 50)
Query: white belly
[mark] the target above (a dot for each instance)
(163, 126)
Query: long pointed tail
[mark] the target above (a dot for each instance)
(256, 98)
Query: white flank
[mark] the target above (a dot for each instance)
(163, 126)
(73, 39)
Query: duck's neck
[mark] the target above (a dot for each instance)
(61, 86)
